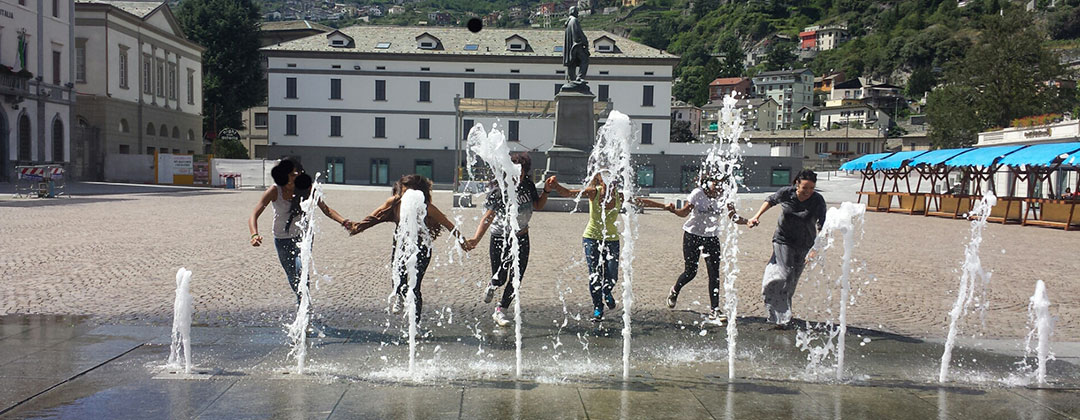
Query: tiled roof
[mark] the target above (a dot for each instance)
(138, 8)
(488, 42)
(294, 25)
(723, 81)
(782, 72)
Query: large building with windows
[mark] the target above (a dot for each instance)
(791, 89)
(367, 104)
(139, 82)
(36, 75)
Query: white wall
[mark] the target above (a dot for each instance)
(129, 168)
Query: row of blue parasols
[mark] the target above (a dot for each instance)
(1032, 155)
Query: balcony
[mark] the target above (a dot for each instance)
(14, 86)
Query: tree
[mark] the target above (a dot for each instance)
(681, 133)
(779, 57)
(233, 78)
(1006, 75)
(921, 81)
(229, 149)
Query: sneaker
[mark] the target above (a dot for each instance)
(716, 316)
(598, 315)
(489, 294)
(398, 302)
(609, 299)
(499, 318)
(671, 298)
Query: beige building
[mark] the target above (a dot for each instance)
(142, 89)
(824, 150)
(791, 89)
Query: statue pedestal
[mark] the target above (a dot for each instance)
(575, 132)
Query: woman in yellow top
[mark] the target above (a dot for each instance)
(601, 237)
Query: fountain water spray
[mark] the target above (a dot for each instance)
(971, 278)
(725, 161)
(410, 235)
(181, 329)
(1042, 325)
(491, 147)
(298, 329)
(845, 221)
(611, 159)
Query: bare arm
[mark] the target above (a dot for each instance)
(333, 214)
(485, 223)
(754, 220)
(253, 220)
(372, 219)
(444, 221)
(589, 191)
(548, 186)
(685, 210)
(645, 202)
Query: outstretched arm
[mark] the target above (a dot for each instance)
(645, 202)
(684, 211)
(372, 219)
(485, 223)
(739, 220)
(442, 220)
(754, 220)
(253, 220)
(333, 214)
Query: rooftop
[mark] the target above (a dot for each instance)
(140, 9)
(294, 25)
(460, 41)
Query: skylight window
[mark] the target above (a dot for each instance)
(517, 47)
(382, 45)
(427, 45)
(558, 48)
(472, 47)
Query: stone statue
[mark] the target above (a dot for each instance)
(575, 54)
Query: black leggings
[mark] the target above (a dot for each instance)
(402, 287)
(692, 247)
(502, 261)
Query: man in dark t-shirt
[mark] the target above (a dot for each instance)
(803, 214)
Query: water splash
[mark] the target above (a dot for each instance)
(725, 161)
(297, 331)
(410, 235)
(181, 329)
(491, 147)
(1042, 326)
(972, 277)
(611, 160)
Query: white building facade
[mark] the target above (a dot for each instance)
(140, 88)
(791, 89)
(36, 51)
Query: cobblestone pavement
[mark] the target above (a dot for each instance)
(115, 257)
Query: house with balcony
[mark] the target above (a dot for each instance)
(724, 86)
(790, 89)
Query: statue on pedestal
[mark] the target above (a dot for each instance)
(575, 54)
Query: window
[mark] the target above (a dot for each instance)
(191, 135)
(558, 48)
(648, 73)
(380, 127)
(380, 168)
(382, 45)
(821, 147)
(123, 67)
(55, 8)
(470, 70)
(290, 88)
(647, 95)
(124, 126)
(863, 148)
(260, 119)
(380, 67)
(58, 140)
(164, 150)
(603, 48)
(191, 86)
(424, 168)
(125, 149)
(513, 131)
(515, 91)
(646, 176)
(470, 89)
(515, 70)
(425, 91)
(780, 177)
(335, 126)
(517, 47)
(380, 90)
(602, 95)
(56, 67)
(172, 81)
(425, 129)
(24, 137)
(472, 47)
(604, 72)
(338, 43)
(425, 69)
(164, 132)
(842, 146)
(150, 129)
(427, 45)
(335, 88)
(150, 150)
(290, 125)
(80, 61)
(646, 133)
(175, 132)
(159, 85)
(466, 126)
(335, 169)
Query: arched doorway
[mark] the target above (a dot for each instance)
(58, 140)
(24, 137)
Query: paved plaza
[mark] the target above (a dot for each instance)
(88, 283)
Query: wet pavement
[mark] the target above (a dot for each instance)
(73, 367)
